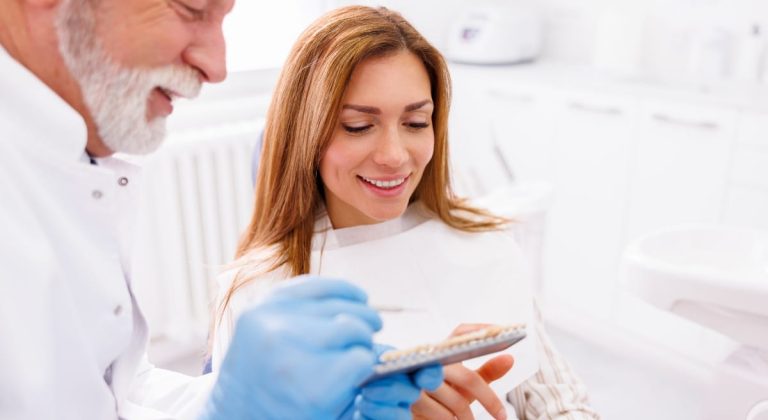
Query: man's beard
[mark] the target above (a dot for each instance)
(117, 97)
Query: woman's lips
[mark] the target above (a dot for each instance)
(390, 187)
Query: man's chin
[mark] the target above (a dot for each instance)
(138, 143)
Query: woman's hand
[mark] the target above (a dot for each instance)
(462, 386)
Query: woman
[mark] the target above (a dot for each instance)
(354, 174)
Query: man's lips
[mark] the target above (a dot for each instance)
(160, 103)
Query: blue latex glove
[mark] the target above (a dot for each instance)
(391, 397)
(300, 354)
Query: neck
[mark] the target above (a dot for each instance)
(28, 34)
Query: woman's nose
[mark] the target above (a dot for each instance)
(390, 150)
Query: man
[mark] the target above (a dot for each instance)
(80, 80)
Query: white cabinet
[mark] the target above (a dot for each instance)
(747, 197)
(623, 161)
(681, 165)
(522, 130)
(591, 152)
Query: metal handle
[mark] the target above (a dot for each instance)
(596, 109)
(517, 97)
(701, 125)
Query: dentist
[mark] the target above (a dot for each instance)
(80, 80)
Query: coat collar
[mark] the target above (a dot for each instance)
(35, 115)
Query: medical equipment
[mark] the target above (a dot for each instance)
(717, 277)
(497, 33)
(453, 350)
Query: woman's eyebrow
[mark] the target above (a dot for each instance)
(376, 111)
(417, 105)
(365, 109)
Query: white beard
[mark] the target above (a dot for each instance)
(117, 97)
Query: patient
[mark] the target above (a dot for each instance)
(354, 181)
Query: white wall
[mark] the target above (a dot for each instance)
(658, 38)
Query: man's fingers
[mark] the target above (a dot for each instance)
(310, 287)
(496, 367)
(392, 390)
(350, 367)
(429, 378)
(328, 308)
(374, 411)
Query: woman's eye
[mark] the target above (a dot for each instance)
(417, 125)
(357, 129)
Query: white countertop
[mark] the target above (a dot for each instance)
(732, 94)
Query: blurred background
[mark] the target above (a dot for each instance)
(629, 138)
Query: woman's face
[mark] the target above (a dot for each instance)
(382, 142)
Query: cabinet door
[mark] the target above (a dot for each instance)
(476, 169)
(500, 130)
(747, 196)
(681, 166)
(591, 155)
(522, 130)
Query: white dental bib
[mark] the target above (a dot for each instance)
(431, 278)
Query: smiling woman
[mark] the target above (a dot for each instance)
(378, 151)
(354, 183)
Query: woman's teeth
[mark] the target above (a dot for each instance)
(384, 184)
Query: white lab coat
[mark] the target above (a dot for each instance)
(73, 338)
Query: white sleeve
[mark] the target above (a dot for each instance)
(224, 321)
(246, 296)
(163, 394)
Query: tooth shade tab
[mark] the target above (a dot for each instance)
(384, 184)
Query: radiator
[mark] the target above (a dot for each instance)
(197, 198)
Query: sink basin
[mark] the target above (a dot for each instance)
(715, 276)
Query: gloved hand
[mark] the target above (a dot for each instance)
(391, 397)
(302, 353)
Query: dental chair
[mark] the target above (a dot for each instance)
(717, 277)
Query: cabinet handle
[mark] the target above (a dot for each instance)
(517, 97)
(596, 109)
(701, 125)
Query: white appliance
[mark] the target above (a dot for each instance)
(496, 33)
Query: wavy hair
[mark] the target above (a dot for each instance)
(301, 119)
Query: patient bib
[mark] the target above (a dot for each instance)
(428, 278)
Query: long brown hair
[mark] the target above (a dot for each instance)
(301, 119)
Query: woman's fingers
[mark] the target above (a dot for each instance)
(471, 386)
(453, 400)
(427, 408)
(463, 386)
(496, 368)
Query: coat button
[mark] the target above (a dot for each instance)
(118, 310)
(97, 194)
(123, 181)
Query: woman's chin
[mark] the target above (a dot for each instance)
(385, 215)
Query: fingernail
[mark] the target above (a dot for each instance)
(501, 414)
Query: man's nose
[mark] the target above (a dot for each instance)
(208, 54)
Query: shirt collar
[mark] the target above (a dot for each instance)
(46, 118)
